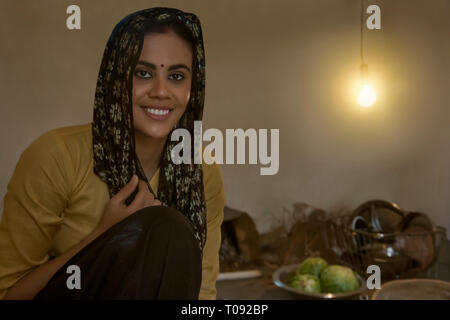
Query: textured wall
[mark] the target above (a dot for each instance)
(283, 64)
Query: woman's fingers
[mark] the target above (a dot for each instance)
(144, 198)
(116, 210)
(127, 190)
(144, 193)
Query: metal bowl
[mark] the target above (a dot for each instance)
(391, 262)
(378, 215)
(413, 289)
(280, 275)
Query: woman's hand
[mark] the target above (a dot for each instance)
(116, 210)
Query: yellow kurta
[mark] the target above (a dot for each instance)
(54, 199)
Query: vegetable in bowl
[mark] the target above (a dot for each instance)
(336, 278)
(315, 275)
(304, 282)
(312, 266)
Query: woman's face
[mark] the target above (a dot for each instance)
(161, 84)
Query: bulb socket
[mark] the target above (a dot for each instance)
(364, 71)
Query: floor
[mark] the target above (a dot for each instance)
(263, 288)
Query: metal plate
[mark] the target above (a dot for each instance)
(280, 275)
(413, 289)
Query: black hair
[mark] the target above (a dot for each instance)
(155, 26)
(115, 159)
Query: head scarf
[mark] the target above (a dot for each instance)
(115, 160)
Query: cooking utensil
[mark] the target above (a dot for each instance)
(413, 289)
(280, 275)
(380, 215)
(239, 275)
(417, 240)
(391, 261)
(409, 250)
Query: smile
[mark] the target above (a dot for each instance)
(157, 113)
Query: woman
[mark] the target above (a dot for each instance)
(106, 197)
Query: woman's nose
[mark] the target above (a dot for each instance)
(158, 87)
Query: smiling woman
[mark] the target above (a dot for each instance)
(161, 92)
(105, 196)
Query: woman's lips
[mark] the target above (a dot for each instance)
(157, 112)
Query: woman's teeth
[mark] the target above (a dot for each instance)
(159, 112)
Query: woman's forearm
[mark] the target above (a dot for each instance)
(33, 282)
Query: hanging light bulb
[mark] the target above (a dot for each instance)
(367, 95)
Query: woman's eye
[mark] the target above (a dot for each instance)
(176, 76)
(143, 74)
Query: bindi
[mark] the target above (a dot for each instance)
(162, 65)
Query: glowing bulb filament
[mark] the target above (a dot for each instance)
(367, 96)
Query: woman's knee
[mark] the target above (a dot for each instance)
(160, 216)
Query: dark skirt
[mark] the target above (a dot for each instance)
(152, 254)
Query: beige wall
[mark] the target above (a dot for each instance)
(283, 64)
